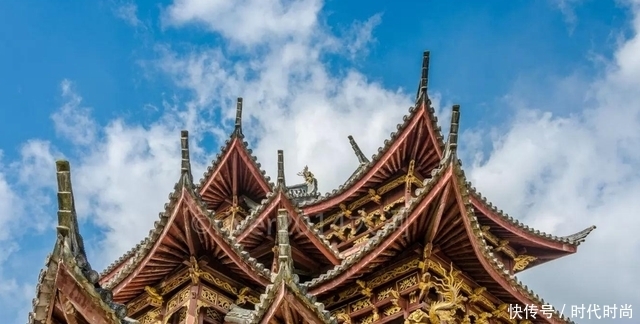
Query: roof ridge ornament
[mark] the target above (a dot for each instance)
(281, 181)
(237, 131)
(67, 217)
(361, 157)
(185, 167)
(424, 78)
(452, 141)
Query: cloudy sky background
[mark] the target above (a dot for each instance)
(549, 93)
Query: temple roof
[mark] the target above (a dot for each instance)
(284, 284)
(184, 194)
(67, 270)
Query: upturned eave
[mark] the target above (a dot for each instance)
(489, 262)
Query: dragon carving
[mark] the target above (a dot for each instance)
(309, 179)
(444, 310)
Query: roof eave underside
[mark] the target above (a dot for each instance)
(184, 193)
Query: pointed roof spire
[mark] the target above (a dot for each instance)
(285, 261)
(67, 218)
(281, 182)
(361, 157)
(185, 168)
(238, 126)
(424, 78)
(453, 128)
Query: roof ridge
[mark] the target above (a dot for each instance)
(573, 239)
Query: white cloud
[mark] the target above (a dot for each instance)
(128, 12)
(249, 22)
(563, 173)
(72, 120)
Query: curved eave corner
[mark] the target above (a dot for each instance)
(490, 262)
(516, 227)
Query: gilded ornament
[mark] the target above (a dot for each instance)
(155, 298)
(449, 286)
(418, 316)
(522, 261)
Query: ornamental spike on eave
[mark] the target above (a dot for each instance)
(281, 181)
(185, 167)
(452, 141)
(361, 157)
(237, 131)
(67, 217)
(424, 78)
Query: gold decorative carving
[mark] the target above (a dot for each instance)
(178, 299)
(344, 317)
(346, 212)
(477, 295)
(174, 283)
(339, 232)
(392, 310)
(361, 240)
(385, 293)
(449, 286)
(407, 283)
(194, 270)
(360, 304)
(209, 296)
(155, 299)
(242, 296)
(413, 297)
(483, 318)
(374, 196)
(522, 261)
(213, 315)
(501, 245)
(417, 317)
(219, 282)
(151, 317)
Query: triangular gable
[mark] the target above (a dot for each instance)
(234, 174)
(185, 229)
(259, 228)
(67, 286)
(284, 299)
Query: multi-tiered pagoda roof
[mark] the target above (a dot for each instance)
(406, 239)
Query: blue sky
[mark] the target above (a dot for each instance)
(547, 88)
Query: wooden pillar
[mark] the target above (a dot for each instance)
(192, 306)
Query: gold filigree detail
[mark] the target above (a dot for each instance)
(385, 293)
(483, 318)
(154, 298)
(209, 296)
(219, 282)
(360, 304)
(373, 196)
(407, 283)
(522, 261)
(346, 212)
(361, 240)
(174, 283)
(418, 316)
(346, 319)
(449, 286)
